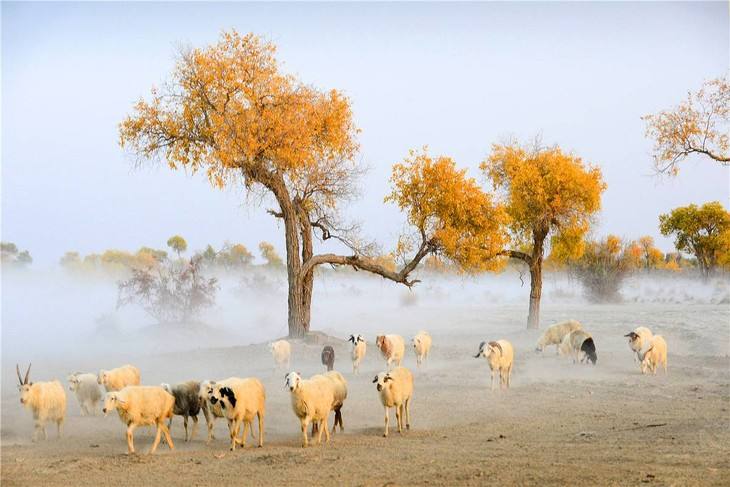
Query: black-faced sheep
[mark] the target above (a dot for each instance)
(241, 400)
(638, 339)
(359, 347)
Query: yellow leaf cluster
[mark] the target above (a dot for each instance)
(448, 207)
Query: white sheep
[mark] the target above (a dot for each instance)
(656, 354)
(87, 392)
(311, 401)
(215, 410)
(119, 378)
(281, 351)
(580, 345)
(396, 390)
(500, 356)
(142, 406)
(241, 400)
(46, 400)
(638, 339)
(422, 346)
(392, 348)
(359, 347)
(554, 334)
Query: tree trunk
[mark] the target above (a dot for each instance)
(538, 245)
(533, 319)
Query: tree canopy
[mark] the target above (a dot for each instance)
(698, 125)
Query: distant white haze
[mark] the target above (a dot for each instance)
(455, 77)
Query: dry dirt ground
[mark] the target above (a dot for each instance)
(560, 423)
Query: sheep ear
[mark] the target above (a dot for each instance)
(387, 378)
(375, 380)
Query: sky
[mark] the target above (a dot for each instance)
(454, 77)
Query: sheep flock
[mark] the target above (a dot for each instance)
(314, 400)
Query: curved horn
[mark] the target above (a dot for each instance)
(27, 374)
(20, 378)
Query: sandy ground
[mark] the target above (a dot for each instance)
(560, 423)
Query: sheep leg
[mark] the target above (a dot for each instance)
(130, 438)
(305, 440)
(399, 417)
(245, 432)
(261, 429)
(158, 434)
(326, 430)
(493, 379)
(168, 436)
(59, 425)
(387, 420)
(185, 423)
(236, 426)
(195, 427)
(408, 413)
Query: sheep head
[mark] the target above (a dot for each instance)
(381, 380)
(292, 380)
(103, 376)
(23, 384)
(73, 382)
(112, 401)
(223, 395)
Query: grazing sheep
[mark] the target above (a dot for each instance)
(500, 356)
(87, 392)
(142, 406)
(281, 351)
(187, 404)
(392, 348)
(554, 334)
(580, 345)
(240, 401)
(328, 357)
(119, 378)
(640, 337)
(422, 346)
(656, 354)
(311, 401)
(46, 400)
(359, 347)
(396, 390)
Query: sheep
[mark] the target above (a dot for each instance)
(640, 337)
(392, 348)
(281, 351)
(214, 410)
(555, 334)
(142, 406)
(46, 400)
(422, 346)
(500, 356)
(328, 357)
(311, 401)
(188, 403)
(87, 392)
(340, 394)
(241, 400)
(580, 345)
(396, 390)
(359, 347)
(656, 354)
(119, 378)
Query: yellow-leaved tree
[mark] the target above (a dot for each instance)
(546, 193)
(699, 125)
(230, 111)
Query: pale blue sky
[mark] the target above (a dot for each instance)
(457, 77)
